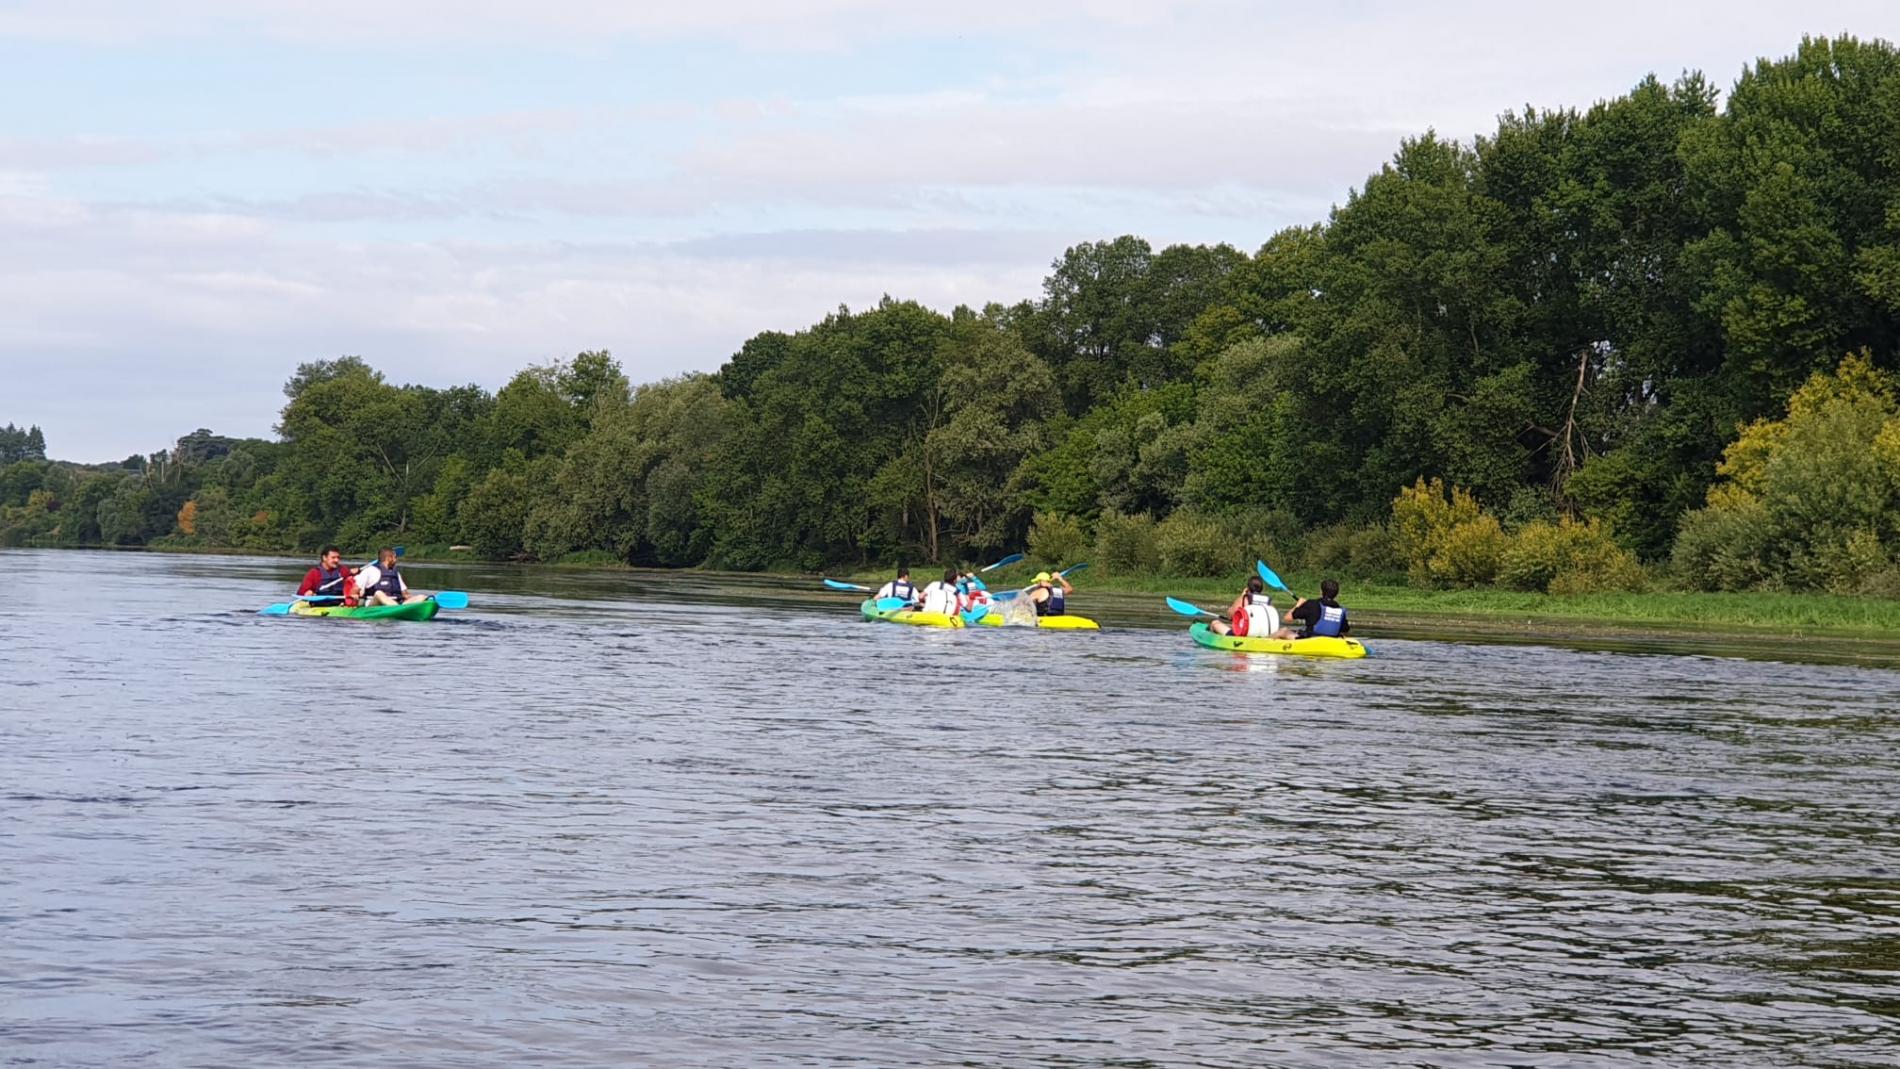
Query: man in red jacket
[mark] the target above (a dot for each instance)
(330, 579)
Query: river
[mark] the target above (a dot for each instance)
(645, 819)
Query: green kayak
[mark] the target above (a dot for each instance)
(1299, 647)
(414, 610)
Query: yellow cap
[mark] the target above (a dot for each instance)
(1042, 577)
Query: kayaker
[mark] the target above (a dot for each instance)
(941, 596)
(1049, 593)
(972, 592)
(382, 583)
(330, 578)
(1250, 614)
(899, 587)
(1323, 618)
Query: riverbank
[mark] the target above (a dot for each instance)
(1386, 604)
(1785, 615)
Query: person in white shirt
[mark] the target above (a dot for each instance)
(899, 587)
(1255, 609)
(382, 584)
(941, 596)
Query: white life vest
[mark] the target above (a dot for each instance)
(941, 597)
(1261, 620)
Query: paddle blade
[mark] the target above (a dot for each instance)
(1186, 609)
(891, 604)
(1005, 595)
(1267, 577)
(399, 551)
(836, 585)
(1011, 559)
(282, 608)
(452, 599)
(1074, 568)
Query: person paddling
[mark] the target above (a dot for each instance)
(941, 596)
(1049, 593)
(899, 587)
(1250, 614)
(330, 579)
(1323, 618)
(382, 583)
(974, 592)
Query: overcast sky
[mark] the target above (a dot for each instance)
(198, 195)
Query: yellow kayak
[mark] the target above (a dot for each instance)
(907, 616)
(1318, 646)
(1053, 623)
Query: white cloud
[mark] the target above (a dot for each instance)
(158, 281)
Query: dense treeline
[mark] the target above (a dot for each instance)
(1564, 324)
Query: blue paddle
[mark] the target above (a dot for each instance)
(1186, 609)
(836, 585)
(1011, 559)
(1267, 577)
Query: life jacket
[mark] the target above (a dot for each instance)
(336, 582)
(1331, 622)
(390, 582)
(941, 597)
(901, 588)
(1258, 608)
(972, 594)
(1058, 602)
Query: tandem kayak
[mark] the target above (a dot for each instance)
(907, 616)
(1318, 646)
(1053, 623)
(414, 610)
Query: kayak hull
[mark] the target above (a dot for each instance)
(414, 610)
(907, 616)
(1299, 647)
(1052, 623)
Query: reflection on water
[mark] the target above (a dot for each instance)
(665, 820)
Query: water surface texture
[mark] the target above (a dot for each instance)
(698, 821)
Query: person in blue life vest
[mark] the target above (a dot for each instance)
(1325, 617)
(382, 584)
(972, 592)
(1049, 593)
(900, 587)
(1251, 614)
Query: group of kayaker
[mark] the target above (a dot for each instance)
(380, 583)
(1251, 614)
(959, 592)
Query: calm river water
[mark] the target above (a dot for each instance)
(613, 819)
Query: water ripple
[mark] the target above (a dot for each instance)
(657, 828)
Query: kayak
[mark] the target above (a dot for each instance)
(1318, 646)
(908, 616)
(1053, 623)
(414, 610)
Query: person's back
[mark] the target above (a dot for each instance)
(899, 587)
(941, 596)
(1324, 617)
